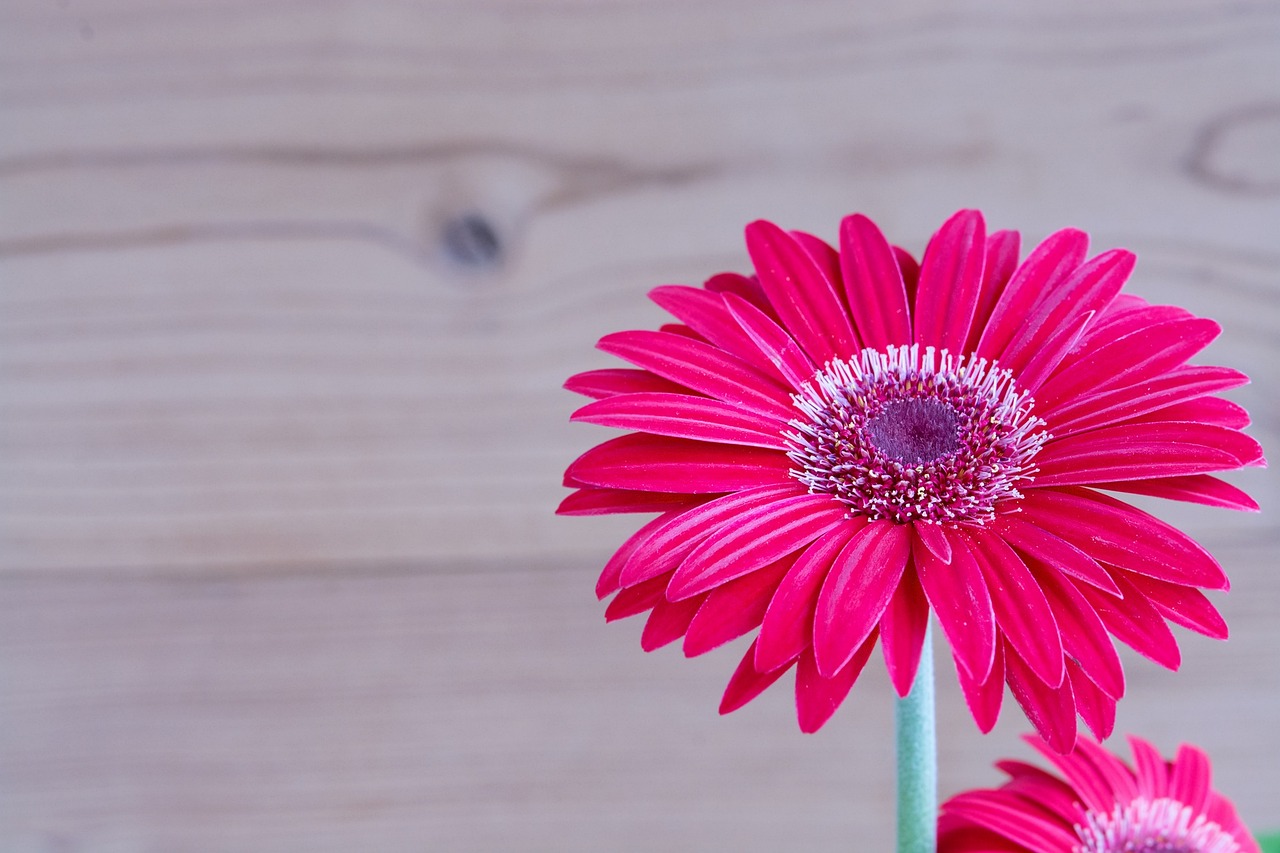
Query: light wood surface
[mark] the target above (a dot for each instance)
(287, 291)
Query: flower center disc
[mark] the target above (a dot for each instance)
(1153, 826)
(909, 434)
(915, 430)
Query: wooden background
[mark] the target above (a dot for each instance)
(287, 291)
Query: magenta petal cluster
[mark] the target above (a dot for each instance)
(1099, 804)
(849, 441)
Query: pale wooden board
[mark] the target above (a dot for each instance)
(276, 473)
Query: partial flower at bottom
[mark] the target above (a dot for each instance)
(1099, 804)
(849, 441)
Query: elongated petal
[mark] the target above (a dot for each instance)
(733, 609)
(777, 347)
(857, 591)
(1086, 290)
(610, 579)
(1036, 541)
(1041, 365)
(787, 628)
(1013, 821)
(685, 416)
(984, 697)
(1145, 352)
(1121, 404)
(705, 313)
(1095, 707)
(1189, 780)
(747, 682)
(668, 622)
(958, 594)
(1022, 611)
(701, 367)
(933, 537)
(1152, 770)
(1051, 710)
(589, 501)
(1136, 623)
(599, 384)
(902, 631)
(677, 534)
(1050, 262)
(1114, 532)
(799, 290)
(757, 538)
(818, 697)
(636, 599)
(1089, 784)
(1182, 605)
(873, 285)
(1001, 261)
(1140, 451)
(661, 464)
(950, 282)
(1084, 636)
(1197, 488)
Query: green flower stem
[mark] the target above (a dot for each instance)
(918, 760)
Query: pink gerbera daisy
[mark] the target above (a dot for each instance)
(849, 440)
(1103, 806)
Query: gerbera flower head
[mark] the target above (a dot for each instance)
(1099, 804)
(848, 441)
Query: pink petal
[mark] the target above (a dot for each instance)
(984, 697)
(703, 368)
(610, 578)
(669, 542)
(804, 298)
(1114, 532)
(822, 254)
(683, 331)
(1205, 410)
(733, 609)
(599, 384)
(1147, 351)
(1196, 488)
(705, 313)
(1114, 773)
(636, 599)
(1084, 778)
(1086, 290)
(757, 538)
(857, 591)
(873, 285)
(1001, 260)
(744, 287)
(1052, 351)
(1012, 820)
(1048, 263)
(1183, 605)
(958, 594)
(950, 282)
(933, 537)
(660, 464)
(747, 682)
(1121, 404)
(1084, 636)
(778, 347)
(902, 631)
(817, 697)
(1136, 623)
(1095, 707)
(684, 416)
(1042, 788)
(1051, 710)
(1140, 451)
(668, 622)
(1021, 609)
(1152, 769)
(910, 272)
(1189, 778)
(787, 628)
(1032, 540)
(589, 501)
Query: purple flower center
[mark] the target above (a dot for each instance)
(907, 434)
(915, 430)
(1153, 826)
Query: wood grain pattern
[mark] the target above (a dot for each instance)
(287, 291)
